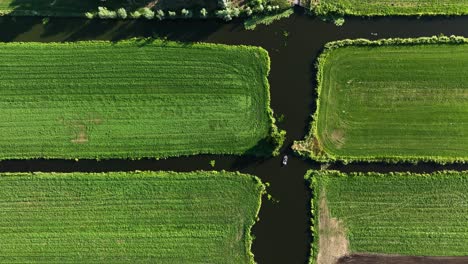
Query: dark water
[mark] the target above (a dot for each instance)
(282, 235)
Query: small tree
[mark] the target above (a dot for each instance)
(248, 11)
(159, 14)
(186, 13)
(235, 12)
(224, 14)
(147, 13)
(122, 13)
(104, 13)
(135, 15)
(89, 15)
(203, 13)
(171, 14)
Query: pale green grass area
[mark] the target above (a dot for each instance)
(403, 214)
(394, 102)
(133, 99)
(390, 7)
(147, 217)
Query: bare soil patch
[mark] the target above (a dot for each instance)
(333, 243)
(338, 137)
(377, 259)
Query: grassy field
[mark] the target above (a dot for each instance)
(133, 99)
(388, 102)
(388, 8)
(404, 214)
(146, 217)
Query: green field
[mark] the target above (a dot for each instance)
(399, 213)
(388, 102)
(146, 217)
(133, 99)
(388, 8)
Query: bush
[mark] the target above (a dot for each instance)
(224, 4)
(186, 13)
(282, 4)
(159, 14)
(122, 13)
(235, 12)
(147, 13)
(104, 13)
(89, 15)
(224, 14)
(135, 15)
(172, 14)
(203, 13)
(255, 3)
(247, 11)
(339, 21)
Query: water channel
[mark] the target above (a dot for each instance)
(282, 234)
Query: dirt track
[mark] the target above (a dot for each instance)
(380, 259)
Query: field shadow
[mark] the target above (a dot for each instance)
(95, 29)
(382, 167)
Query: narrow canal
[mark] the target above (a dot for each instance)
(282, 234)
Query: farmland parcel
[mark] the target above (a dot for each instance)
(403, 214)
(133, 99)
(388, 8)
(384, 101)
(148, 217)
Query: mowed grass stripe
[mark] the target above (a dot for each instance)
(399, 213)
(133, 99)
(390, 7)
(392, 102)
(163, 217)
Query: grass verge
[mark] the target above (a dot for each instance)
(251, 23)
(390, 100)
(134, 99)
(396, 213)
(387, 8)
(128, 217)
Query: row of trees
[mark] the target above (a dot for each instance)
(227, 11)
(147, 13)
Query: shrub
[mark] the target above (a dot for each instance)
(89, 15)
(339, 21)
(186, 13)
(122, 13)
(147, 13)
(172, 14)
(135, 15)
(247, 11)
(282, 4)
(235, 12)
(203, 13)
(255, 3)
(104, 13)
(159, 14)
(224, 4)
(224, 14)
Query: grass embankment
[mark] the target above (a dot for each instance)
(150, 217)
(133, 99)
(389, 8)
(391, 100)
(398, 213)
(251, 23)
